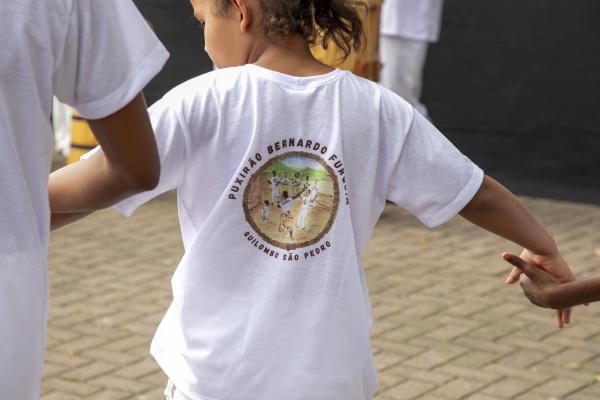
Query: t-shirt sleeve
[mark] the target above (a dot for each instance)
(172, 140)
(432, 179)
(109, 55)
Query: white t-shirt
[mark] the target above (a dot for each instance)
(412, 19)
(95, 56)
(259, 314)
(286, 205)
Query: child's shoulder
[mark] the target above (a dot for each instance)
(213, 81)
(389, 104)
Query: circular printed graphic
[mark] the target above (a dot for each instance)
(292, 200)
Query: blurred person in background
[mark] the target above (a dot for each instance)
(61, 124)
(407, 29)
(95, 56)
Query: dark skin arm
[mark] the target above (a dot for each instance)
(127, 164)
(543, 290)
(497, 210)
(60, 220)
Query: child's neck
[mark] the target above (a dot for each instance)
(290, 56)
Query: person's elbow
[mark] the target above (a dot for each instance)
(139, 175)
(142, 178)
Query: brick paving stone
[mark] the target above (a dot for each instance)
(388, 381)
(509, 388)
(535, 396)
(395, 347)
(154, 394)
(110, 395)
(529, 374)
(569, 357)
(468, 373)
(60, 396)
(431, 359)
(121, 384)
(408, 390)
(523, 359)
(92, 370)
(476, 359)
(480, 396)
(421, 375)
(137, 370)
(442, 330)
(69, 387)
(561, 387)
(458, 389)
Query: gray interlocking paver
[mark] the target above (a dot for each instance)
(446, 327)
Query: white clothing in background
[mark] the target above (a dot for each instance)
(419, 20)
(246, 321)
(402, 72)
(407, 27)
(61, 124)
(93, 55)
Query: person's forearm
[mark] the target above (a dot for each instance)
(574, 293)
(60, 220)
(127, 164)
(497, 210)
(89, 185)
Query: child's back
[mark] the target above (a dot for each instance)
(264, 310)
(270, 300)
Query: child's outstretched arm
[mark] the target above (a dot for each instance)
(497, 210)
(127, 164)
(543, 290)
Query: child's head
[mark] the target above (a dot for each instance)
(266, 202)
(274, 173)
(233, 28)
(285, 194)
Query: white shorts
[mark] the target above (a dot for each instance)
(171, 393)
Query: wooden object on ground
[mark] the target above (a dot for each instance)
(366, 62)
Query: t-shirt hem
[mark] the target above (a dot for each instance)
(458, 203)
(125, 208)
(133, 85)
(187, 393)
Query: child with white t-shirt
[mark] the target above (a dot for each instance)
(259, 314)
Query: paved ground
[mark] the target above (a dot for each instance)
(446, 327)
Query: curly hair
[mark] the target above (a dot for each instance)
(317, 21)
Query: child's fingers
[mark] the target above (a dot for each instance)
(566, 316)
(515, 273)
(518, 262)
(558, 319)
(513, 276)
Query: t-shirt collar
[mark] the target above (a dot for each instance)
(298, 82)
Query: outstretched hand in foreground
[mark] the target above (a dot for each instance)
(543, 279)
(544, 290)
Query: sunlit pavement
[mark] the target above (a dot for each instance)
(446, 327)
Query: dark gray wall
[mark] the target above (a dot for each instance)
(173, 22)
(515, 84)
